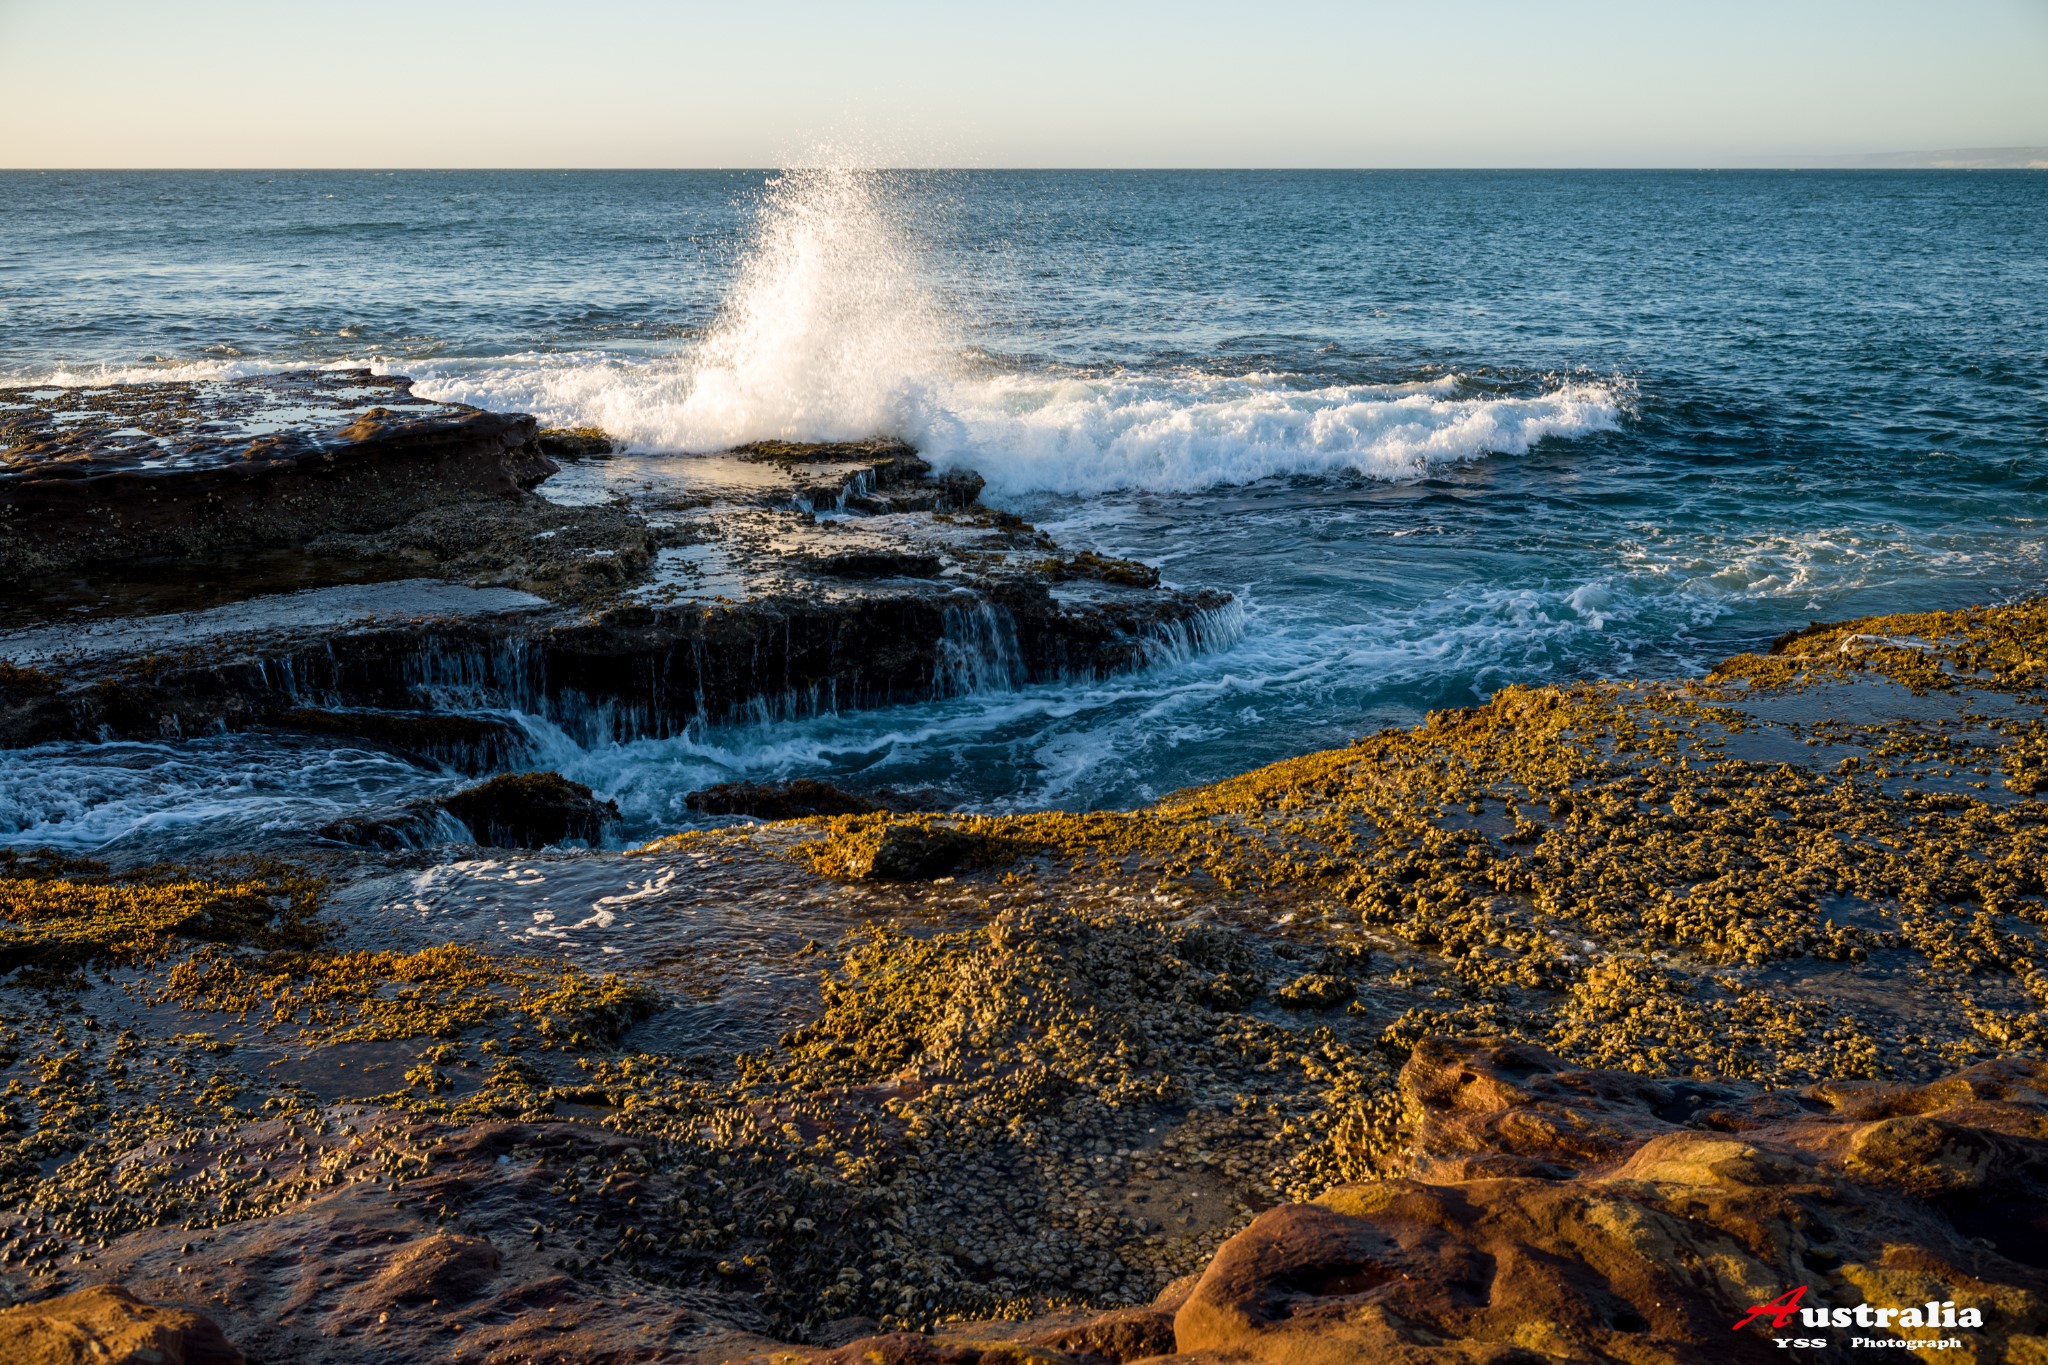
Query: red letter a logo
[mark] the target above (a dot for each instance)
(1779, 1310)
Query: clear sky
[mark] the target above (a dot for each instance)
(1044, 83)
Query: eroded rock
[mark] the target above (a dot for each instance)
(634, 600)
(1561, 1214)
(106, 1325)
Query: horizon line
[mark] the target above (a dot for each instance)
(1819, 164)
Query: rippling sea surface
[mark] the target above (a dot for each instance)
(1439, 431)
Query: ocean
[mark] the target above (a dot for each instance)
(1439, 431)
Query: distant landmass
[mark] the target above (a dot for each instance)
(1954, 159)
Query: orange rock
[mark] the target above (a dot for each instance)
(106, 1325)
(1123, 1335)
(1585, 1215)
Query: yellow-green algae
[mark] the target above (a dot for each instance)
(61, 912)
(1166, 1019)
(1659, 877)
(26, 682)
(440, 992)
(104, 1129)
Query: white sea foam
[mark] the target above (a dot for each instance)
(1817, 566)
(66, 375)
(1036, 432)
(191, 794)
(839, 328)
(1194, 432)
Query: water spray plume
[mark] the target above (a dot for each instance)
(837, 327)
(832, 331)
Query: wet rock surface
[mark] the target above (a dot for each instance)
(512, 810)
(532, 810)
(1566, 1027)
(631, 597)
(89, 475)
(780, 800)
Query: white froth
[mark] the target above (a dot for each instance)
(1036, 432)
(836, 329)
(1189, 433)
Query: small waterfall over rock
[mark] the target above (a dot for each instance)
(978, 651)
(1181, 640)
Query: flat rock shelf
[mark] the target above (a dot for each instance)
(122, 472)
(323, 553)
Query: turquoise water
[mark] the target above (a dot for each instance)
(1440, 431)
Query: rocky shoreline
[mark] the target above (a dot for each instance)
(125, 472)
(635, 600)
(1567, 1028)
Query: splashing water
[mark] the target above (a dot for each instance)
(840, 326)
(833, 331)
(1283, 385)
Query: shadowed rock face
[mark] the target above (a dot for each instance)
(93, 475)
(791, 800)
(532, 810)
(632, 597)
(512, 810)
(633, 670)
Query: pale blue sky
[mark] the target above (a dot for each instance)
(1052, 83)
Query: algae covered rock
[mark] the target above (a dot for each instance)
(574, 443)
(1315, 991)
(106, 1325)
(916, 848)
(58, 912)
(913, 853)
(532, 810)
(790, 800)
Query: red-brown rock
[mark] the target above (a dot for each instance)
(1574, 1215)
(106, 1325)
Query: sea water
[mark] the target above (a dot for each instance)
(1439, 432)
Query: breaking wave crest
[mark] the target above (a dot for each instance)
(1189, 433)
(842, 323)
(1034, 432)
